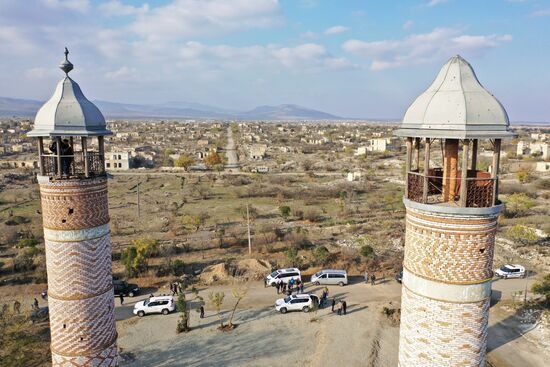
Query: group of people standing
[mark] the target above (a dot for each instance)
(371, 278)
(175, 288)
(287, 289)
(340, 305)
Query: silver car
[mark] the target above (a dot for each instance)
(330, 277)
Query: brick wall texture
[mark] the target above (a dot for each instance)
(452, 249)
(78, 261)
(435, 333)
(449, 249)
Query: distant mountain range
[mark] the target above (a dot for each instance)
(112, 110)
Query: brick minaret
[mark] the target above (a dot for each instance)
(452, 210)
(73, 189)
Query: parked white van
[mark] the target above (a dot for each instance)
(161, 304)
(330, 277)
(283, 274)
(511, 271)
(297, 302)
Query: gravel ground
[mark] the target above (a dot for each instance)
(266, 338)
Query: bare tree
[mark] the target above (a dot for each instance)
(239, 294)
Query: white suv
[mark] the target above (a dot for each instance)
(511, 271)
(161, 304)
(297, 302)
(284, 275)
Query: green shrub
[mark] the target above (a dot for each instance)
(16, 220)
(522, 234)
(367, 251)
(543, 288)
(26, 242)
(136, 258)
(24, 261)
(285, 211)
(518, 205)
(321, 254)
(178, 267)
(524, 176)
(292, 257)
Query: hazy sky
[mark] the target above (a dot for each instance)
(351, 58)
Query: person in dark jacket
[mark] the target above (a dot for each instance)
(333, 304)
(202, 312)
(344, 307)
(121, 296)
(67, 157)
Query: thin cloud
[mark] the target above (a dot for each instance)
(541, 13)
(115, 8)
(305, 57)
(81, 6)
(433, 3)
(309, 35)
(337, 29)
(408, 25)
(422, 48)
(192, 18)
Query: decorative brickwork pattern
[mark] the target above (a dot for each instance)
(74, 204)
(442, 334)
(79, 270)
(82, 327)
(78, 259)
(106, 358)
(445, 309)
(449, 249)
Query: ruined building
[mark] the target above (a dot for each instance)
(451, 221)
(73, 190)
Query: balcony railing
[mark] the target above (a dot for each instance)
(73, 166)
(479, 189)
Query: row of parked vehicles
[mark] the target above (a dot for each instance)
(303, 302)
(296, 302)
(323, 277)
(160, 304)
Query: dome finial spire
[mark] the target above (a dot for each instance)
(66, 65)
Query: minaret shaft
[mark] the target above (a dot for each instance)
(446, 286)
(78, 257)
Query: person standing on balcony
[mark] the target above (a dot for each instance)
(67, 158)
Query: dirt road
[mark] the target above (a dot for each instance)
(264, 337)
(231, 152)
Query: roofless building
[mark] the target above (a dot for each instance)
(73, 190)
(451, 220)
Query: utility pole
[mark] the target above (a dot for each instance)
(248, 225)
(526, 282)
(138, 202)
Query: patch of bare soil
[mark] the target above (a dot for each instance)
(245, 270)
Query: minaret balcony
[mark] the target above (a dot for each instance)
(436, 189)
(78, 165)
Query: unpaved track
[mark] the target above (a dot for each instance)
(266, 338)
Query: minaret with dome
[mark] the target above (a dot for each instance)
(75, 213)
(451, 222)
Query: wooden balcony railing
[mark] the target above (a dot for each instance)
(479, 189)
(73, 166)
